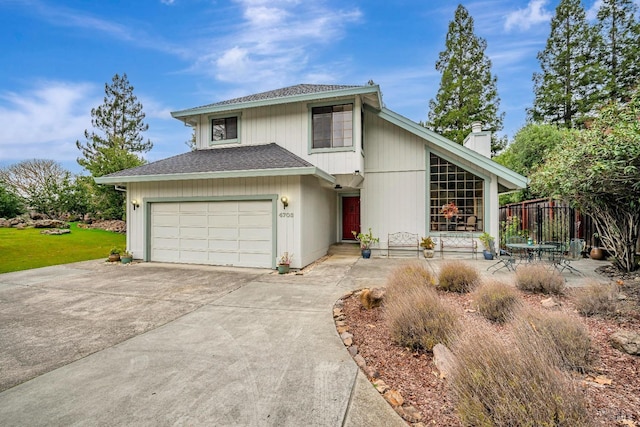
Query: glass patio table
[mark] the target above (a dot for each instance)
(533, 251)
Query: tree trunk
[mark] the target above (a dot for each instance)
(619, 233)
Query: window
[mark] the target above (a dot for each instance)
(332, 126)
(224, 129)
(457, 198)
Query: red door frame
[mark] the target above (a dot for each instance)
(350, 216)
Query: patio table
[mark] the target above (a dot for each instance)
(534, 250)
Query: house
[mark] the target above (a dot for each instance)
(298, 169)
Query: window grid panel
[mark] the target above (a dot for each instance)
(450, 183)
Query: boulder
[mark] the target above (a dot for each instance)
(443, 358)
(372, 298)
(626, 341)
(50, 223)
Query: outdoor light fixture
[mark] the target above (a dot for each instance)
(135, 204)
(285, 201)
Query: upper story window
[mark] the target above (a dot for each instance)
(332, 126)
(224, 129)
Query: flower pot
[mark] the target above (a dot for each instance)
(283, 268)
(366, 253)
(126, 259)
(114, 257)
(596, 253)
(487, 255)
(428, 253)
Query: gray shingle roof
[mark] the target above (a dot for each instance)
(301, 89)
(248, 157)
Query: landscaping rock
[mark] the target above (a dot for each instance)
(626, 341)
(409, 413)
(347, 338)
(443, 358)
(50, 223)
(360, 361)
(372, 298)
(393, 397)
(380, 385)
(56, 231)
(549, 303)
(353, 350)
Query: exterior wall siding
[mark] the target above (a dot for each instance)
(394, 193)
(288, 228)
(318, 219)
(288, 125)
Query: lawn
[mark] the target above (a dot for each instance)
(25, 249)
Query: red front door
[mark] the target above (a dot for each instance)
(350, 217)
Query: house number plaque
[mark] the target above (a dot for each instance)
(286, 215)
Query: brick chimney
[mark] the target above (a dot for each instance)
(479, 140)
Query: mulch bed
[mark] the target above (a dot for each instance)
(415, 376)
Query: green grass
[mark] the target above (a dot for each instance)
(25, 249)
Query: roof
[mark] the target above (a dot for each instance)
(227, 162)
(298, 93)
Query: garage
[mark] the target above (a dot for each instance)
(236, 233)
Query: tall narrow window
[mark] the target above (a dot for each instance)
(456, 198)
(224, 128)
(332, 126)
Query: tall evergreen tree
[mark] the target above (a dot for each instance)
(468, 90)
(568, 89)
(119, 122)
(621, 34)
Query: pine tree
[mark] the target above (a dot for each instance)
(621, 34)
(468, 91)
(120, 121)
(567, 91)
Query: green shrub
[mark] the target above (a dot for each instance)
(565, 338)
(538, 278)
(457, 276)
(496, 301)
(407, 276)
(500, 383)
(597, 300)
(419, 319)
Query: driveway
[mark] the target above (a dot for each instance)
(156, 344)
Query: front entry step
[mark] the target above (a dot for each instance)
(344, 249)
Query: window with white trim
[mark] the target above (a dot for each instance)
(224, 129)
(332, 126)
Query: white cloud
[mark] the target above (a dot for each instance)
(523, 19)
(45, 121)
(592, 12)
(167, 2)
(274, 42)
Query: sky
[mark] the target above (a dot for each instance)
(57, 56)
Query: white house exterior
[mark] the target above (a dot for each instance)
(342, 161)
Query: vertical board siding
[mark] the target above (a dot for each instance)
(318, 219)
(288, 234)
(288, 126)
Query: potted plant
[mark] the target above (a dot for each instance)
(114, 255)
(284, 262)
(365, 239)
(488, 241)
(427, 244)
(126, 257)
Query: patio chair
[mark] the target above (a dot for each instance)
(574, 252)
(519, 254)
(505, 260)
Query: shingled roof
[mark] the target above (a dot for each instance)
(229, 162)
(301, 89)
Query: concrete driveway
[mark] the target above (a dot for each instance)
(155, 344)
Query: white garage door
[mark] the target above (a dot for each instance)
(237, 233)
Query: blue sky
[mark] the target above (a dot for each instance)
(57, 56)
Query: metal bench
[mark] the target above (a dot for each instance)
(403, 244)
(458, 241)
